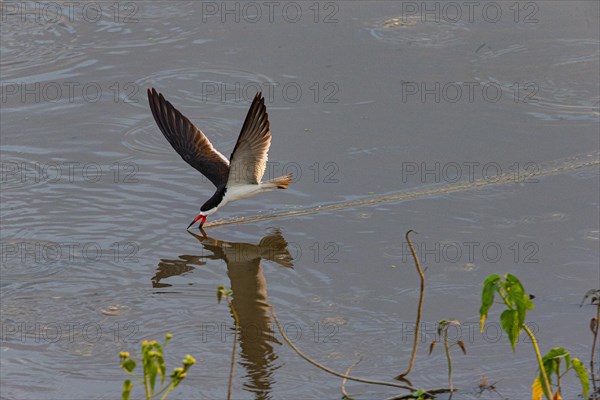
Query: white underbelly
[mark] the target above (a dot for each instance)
(239, 192)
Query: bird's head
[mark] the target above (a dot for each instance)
(201, 217)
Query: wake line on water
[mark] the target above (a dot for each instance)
(555, 167)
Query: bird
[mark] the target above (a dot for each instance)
(235, 179)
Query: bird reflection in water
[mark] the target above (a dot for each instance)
(250, 299)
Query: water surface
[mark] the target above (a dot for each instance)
(95, 257)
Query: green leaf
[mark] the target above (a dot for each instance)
(418, 394)
(545, 389)
(153, 371)
(162, 368)
(553, 357)
(128, 365)
(510, 324)
(127, 386)
(518, 298)
(153, 363)
(515, 290)
(490, 286)
(550, 364)
(583, 376)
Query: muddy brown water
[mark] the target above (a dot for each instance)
(478, 131)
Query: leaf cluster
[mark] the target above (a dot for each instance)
(154, 366)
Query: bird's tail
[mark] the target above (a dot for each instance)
(279, 183)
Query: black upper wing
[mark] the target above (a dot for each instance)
(189, 141)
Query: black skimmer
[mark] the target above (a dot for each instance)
(236, 178)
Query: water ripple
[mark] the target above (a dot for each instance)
(412, 31)
(193, 85)
(30, 43)
(147, 138)
(554, 93)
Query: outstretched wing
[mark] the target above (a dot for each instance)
(249, 157)
(187, 140)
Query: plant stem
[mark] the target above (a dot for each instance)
(546, 388)
(558, 378)
(419, 309)
(171, 387)
(344, 393)
(449, 360)
(162, 390)
(329, 370)
(501, 293)
(237, 323)
(147, 386)
(594, 345)
(140, 380)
